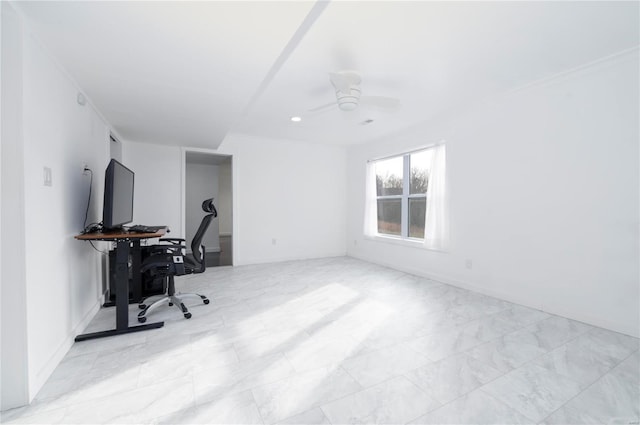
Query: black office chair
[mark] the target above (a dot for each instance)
(168, 260)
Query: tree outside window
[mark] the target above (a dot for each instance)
(401, 190)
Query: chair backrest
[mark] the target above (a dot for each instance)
(197, 250)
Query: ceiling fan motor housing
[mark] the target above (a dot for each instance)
(348, 101)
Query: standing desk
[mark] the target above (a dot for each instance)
(123, 241)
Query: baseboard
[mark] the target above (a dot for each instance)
(580, 317)
(45, 372)
(250, 261)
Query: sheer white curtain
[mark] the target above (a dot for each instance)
(436, 230)
(370, 201)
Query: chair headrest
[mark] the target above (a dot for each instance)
(207, 206)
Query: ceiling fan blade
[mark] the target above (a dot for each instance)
(383, 102)
(322, 107)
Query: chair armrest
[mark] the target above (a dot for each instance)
(166, 264)
(172, 240)
(164, 248)
(174, 248)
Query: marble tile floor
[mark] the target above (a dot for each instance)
(337, 341)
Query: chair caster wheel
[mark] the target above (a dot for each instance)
(170, 303)
(206, 301)
(187, 315)
(142, 306)
(142, 319)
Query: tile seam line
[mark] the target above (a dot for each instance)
(590, 385)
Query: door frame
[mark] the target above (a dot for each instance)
(234, 197)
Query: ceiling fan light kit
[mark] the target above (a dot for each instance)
(348, 101)
(347, 88)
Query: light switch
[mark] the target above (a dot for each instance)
(47, 176)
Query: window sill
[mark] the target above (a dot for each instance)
(413, 243)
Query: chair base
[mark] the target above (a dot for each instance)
(175, 299)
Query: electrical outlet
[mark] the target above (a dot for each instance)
(468, 263)
(85, 168)
(273, 241)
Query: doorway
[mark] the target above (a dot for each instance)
(207, 176)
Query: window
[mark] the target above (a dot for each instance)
(406, 199)
(401, 194)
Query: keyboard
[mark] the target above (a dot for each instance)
(141, 228)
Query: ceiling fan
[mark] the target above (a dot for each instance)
(348, 94)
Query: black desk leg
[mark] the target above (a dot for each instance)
(114, 332)
(122, 298)
(122, 285)
(136, 279)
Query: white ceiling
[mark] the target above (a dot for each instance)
(188, 73)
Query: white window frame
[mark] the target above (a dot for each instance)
(404, 198)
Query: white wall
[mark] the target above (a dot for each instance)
(544, 197)
(157, 183)
(290, 192)
(201, 184)
(115, 149)
(62, 276)
(225, 199)
(14, 387)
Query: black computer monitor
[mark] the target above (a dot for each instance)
(118, 196)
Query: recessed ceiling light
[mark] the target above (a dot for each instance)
(296, 119)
